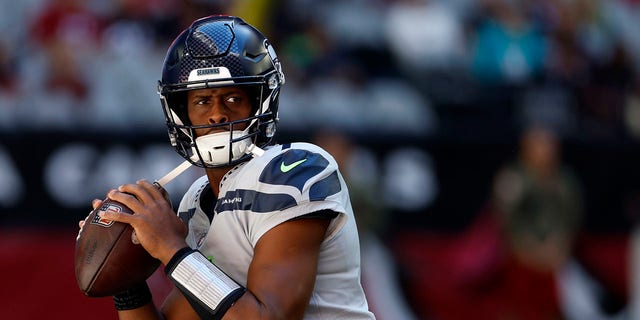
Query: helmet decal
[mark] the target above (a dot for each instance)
(198, 75)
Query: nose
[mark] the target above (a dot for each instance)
(218, 113)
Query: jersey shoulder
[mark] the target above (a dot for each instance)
(297, 165)
(285, 176)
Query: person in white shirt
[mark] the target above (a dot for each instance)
(268, 232)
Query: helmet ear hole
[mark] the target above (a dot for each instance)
(254, 92)
(178, 103)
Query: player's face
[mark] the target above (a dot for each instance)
(218, 105)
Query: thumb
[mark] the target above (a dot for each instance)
(96, 203)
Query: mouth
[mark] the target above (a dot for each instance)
(208, 131)
(212, 131)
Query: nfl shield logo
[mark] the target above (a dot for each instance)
(97, 220)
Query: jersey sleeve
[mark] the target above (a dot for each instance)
(189, 211)
(296, 181)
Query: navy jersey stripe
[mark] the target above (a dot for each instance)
(185, 216)
(325, 187)
(255, 201)
(293, 168)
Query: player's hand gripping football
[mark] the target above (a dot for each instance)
(157, 227)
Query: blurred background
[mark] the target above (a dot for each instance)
(491, 146)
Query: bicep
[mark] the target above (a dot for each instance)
(282, 273)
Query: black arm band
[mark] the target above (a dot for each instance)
(177, 257)
(132, 298)
(208, 289)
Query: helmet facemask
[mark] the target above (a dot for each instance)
(237, 143)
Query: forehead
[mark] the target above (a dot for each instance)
(216, 91)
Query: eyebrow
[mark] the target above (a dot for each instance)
(201, 95)
(209, 94)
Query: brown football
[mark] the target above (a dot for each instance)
(107, 261)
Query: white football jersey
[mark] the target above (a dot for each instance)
(288, 181)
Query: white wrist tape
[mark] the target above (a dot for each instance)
(204, 280)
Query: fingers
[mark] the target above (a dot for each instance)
(142, 190)
(96, 203)
(140, 197)
(148, 187)
(81, 223)
(117, 216)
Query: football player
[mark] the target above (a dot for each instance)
(268, 232)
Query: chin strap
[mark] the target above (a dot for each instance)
(255, 151)
(173, 173)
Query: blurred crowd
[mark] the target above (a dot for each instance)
(405, 67)
(538, 72)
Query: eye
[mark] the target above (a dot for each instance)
(200, 102)
(233, 99)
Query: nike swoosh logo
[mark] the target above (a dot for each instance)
(287, 167)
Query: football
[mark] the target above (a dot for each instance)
(108, 258)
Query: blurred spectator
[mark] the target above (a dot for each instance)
(508, 47)
(350, 30)
(345, 94)
(568, 61)
(65, 36)
(309, 52)
(130, 54)
(588, 54)
(554, 99)
(424, 35)
(505, 264)
(59, 89)
(69, 22)
(539, 202)
(537, 211)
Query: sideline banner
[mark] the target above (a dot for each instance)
(50, 178)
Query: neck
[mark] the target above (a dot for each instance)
(215, 176)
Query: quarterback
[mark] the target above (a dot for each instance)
(268, 232)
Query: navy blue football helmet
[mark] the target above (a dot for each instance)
(219, 51)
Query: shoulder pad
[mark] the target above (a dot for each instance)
(296, 167)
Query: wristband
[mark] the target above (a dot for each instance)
(132, 298)
(207, 288)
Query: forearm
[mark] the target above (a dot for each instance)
(136, 303)
(209, 291)
(213, 295)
